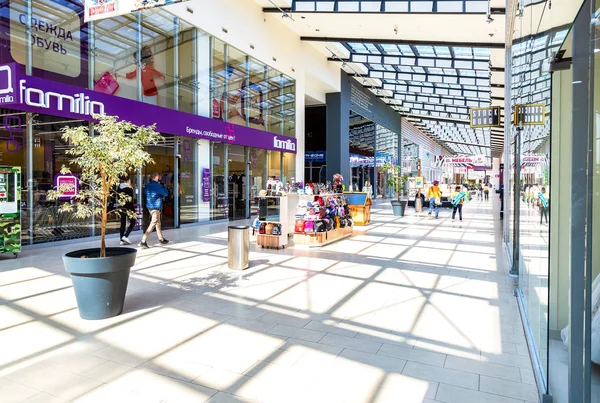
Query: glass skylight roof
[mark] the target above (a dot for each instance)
(390, 6)
(437, 84)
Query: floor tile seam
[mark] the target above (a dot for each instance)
(510, 397)
(513, 367)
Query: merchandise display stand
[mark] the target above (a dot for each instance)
(319, 225)
(360, 208)
(273, 213)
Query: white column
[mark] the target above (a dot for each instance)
(300, 112)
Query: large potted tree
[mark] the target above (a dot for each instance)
(114, 151)
(398, 182)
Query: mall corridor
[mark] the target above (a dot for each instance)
(407, 310)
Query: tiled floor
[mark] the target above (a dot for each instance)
(407, 310)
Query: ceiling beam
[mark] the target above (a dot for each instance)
(491, 45)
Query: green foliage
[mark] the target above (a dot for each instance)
(116, 150)
(395, 179)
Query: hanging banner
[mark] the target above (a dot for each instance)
(475, 160)
(99, 9)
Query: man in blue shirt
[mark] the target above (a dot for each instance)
(155, 192)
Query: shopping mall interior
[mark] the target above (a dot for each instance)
(299, 201)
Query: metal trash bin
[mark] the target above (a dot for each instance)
(238, 247)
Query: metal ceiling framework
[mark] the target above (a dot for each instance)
(428, 84)
(391, 6)
(433, 80)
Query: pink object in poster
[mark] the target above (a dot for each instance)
(107, 84)
(216, 109)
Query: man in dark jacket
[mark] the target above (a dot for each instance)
(127, 211)
(155, 192)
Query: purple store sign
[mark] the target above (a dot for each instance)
(206, 185)
(34, 94)
(68, 185)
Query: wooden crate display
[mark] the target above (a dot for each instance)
(269, 241)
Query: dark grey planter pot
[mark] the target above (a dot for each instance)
(398, 207)
(100, 284)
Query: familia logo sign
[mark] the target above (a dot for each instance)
(288, 145)
(75, 103)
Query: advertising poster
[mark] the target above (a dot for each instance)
(98, 9)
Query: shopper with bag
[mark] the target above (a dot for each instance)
(435, 199)
(155, 192)
(458, 197)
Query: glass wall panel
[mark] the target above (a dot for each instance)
(59, 50)
(237, 182)
(257, 93)
(236, 86)
(186, 77)
(289, 107)
(218, 80)
(116, 56)
(274, 97)
(289, 168)
(188, 181)
(275, 164)
(164, 158)
(218, 194)
(157, 58)
(257, 180)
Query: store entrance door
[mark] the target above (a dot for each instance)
(236, 194)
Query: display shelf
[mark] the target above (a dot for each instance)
(320, 239)
(275, 210)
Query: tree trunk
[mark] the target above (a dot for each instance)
(103, 230)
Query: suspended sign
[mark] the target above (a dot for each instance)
(460, 170)
(485, 117)
(534, 159)
(476, 160)
(530, 114)
(98, 9)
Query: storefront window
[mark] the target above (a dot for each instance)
(115, 58)
(236, 86)
(257, 177)
(274, 164)
(63, 57)
(274, 96)
(163, 156)
(188, 181)
(218, 79)
(237, 182)
(289, 107)
(218, 193)
(257, 93)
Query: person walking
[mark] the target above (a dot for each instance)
(458, 197)
(486, 192)
(480, 193)
(127, 211)
(435, 199)
(544, 204)
(155, 192)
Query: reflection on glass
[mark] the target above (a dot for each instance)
(163, 156)
(236, 86)
(188, 181)
(218, 192)
(257, 179)
(257, 92)
(237, 182)
(218, 80)
(274, 104)
(115, 56)
(289, 107)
